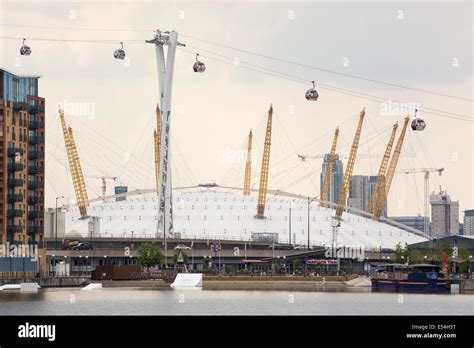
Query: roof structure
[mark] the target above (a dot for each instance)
(216, 213)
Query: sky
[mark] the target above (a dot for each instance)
(110, 104)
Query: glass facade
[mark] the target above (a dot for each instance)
(337, 178)
(17, 88)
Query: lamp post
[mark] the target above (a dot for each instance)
(289, 224)
(309, 202)
(308, 221)
(56, 222)
(54, 265)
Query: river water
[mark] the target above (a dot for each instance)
(122, 301)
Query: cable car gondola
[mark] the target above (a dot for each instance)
(119, 53)
(199, 66)
(25, 50)
(418, 124)
(312, 93)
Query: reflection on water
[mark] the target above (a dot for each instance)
(121, 301)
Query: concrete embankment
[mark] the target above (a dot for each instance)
(50, 282)
(333, 283)
(148, 284)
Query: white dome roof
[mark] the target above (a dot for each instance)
(216, 213)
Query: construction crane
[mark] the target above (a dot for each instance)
(103, 187)
(262, 191)
(75, 167)
(380, 182)
(427, 172)
(382, 196)
(341, 202)
(157, 142)
(328, 173)
(248, 166)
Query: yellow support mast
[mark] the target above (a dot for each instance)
(328, 174)
(248, 166)
(157, 141)
(379, 186)
(262, 191)
(341, 203)
(391, 171)
(75, 167)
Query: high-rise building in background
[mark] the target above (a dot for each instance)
(469, 222)
(359, 192)
(444, 215)
(337, 178)
(21, 159)
(417, 222)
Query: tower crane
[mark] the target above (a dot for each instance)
(350, 166)
(75, 167)
(328, 173)
(380, 182)
(157, 142)
(427, 172)
(103, 187)
(262, 191)
(248, 166)
(382, 196)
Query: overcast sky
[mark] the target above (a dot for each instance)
(424, 45)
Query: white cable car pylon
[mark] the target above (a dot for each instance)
(165, 81)
(418, 124)
(119, 53)
(312, 93)
(25, 50)
(198, 66)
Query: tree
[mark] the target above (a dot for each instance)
(444, 247)
(297, 264)
(463, 259)
(401, 253)
(229, 269)
(276, 267)
(149, 255)
(415, 256)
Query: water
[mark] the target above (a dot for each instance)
(121, 301)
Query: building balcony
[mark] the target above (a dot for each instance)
(36, 139)
(13, 228)
(36, 109)
(35, 199)
(35, 214)
(35, 154)
(15, 167)
(21, 106)
(36, 124)
(12, 151)
(32, 229)
(14, 198)
(15, 182)
(35, 169)
(13, 213)
(34, 184)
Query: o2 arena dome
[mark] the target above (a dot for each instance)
(225, 214)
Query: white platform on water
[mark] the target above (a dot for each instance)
(93, 286)
(23, 287)
(188, 280)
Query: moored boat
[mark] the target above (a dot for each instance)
(400, 277)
